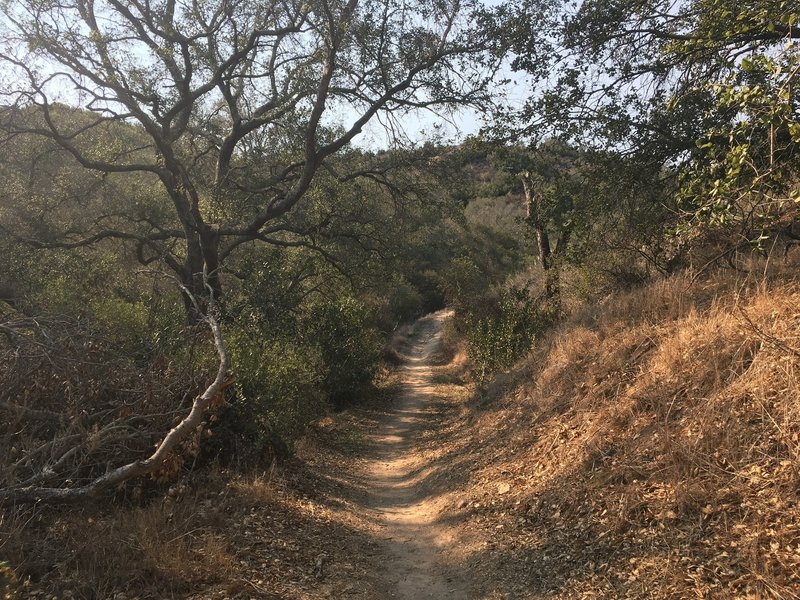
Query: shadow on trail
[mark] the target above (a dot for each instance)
(385, 484)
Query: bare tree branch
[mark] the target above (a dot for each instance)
(29, 492)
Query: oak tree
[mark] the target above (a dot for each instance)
(235, 106)
(705, 89)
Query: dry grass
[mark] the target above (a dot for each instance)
(657, 444)
(218, 535)
(162, 549)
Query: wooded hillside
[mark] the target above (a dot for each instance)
(212, 266)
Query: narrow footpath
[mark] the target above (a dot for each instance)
(371, 508)
(418, 548)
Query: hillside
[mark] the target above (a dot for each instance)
(645, 448)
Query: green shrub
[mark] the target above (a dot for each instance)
(278, 392)
(125, 323)
(502, 334)
(405, 301)
(287, 378)
(349, 346)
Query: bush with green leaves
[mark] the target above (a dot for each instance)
(500, 335)
(278, 390)
(400, 301)
(349, 346)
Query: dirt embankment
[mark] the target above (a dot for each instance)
(647, 448)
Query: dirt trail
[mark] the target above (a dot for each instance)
(419, 550)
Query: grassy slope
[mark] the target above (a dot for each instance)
(648, 447)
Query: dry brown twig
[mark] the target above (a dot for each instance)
(770, 339)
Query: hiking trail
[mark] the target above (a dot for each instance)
(419, 548)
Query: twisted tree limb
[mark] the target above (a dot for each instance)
(101, 485)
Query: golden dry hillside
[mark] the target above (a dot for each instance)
(649, 447)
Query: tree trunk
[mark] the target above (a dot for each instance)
(200, 275)
(209, 243)
(533, 208)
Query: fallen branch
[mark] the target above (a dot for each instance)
(98, 487)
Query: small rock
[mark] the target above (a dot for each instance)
(462, 503)
(503, 488)
(319, 567)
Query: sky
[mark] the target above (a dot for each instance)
(421, 126)
(415, 127)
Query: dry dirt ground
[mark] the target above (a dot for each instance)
(363, 511)
(401, 477)
(422, 558)
(392, 486)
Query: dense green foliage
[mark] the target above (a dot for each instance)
(304, 322)
(501, 334)
(704, 90)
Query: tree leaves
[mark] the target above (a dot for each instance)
(706, 88)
